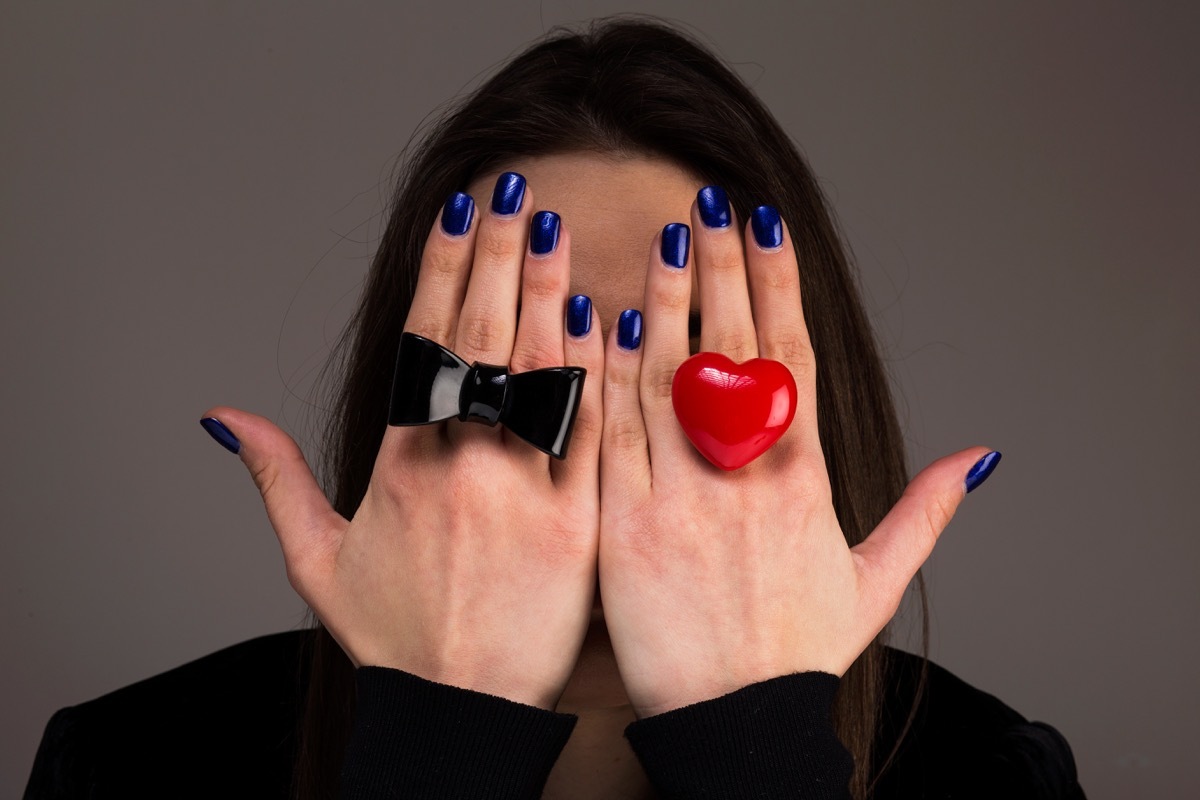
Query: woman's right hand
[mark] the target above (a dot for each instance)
(471, 560)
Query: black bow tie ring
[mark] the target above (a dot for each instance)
(432, 384)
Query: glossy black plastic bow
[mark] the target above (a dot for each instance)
(432, 384)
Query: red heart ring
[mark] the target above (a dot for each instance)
(732, 412)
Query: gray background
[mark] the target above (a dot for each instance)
(191, 196)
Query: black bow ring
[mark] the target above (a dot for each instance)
(432, 384)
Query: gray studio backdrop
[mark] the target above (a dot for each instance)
(191, 197)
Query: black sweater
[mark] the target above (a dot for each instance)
(224, 726)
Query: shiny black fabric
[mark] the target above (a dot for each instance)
(224, 726)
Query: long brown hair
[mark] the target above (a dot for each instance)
(631, 85)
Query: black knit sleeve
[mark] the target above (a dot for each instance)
(415, 738)
(61, 768)
(767, 740)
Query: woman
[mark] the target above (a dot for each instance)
(627, 621)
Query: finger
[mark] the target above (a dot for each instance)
(583, 346)
(889, 558)
(545, 280)
(624, 457)
(665, 346)
(779, 317)
(721, 273)
(441, 286)
(445, 267)
(308, 527)
(487, 322)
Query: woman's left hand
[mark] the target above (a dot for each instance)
(714, 580)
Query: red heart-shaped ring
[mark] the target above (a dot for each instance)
(732, 412)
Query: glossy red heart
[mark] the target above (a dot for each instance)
(733, 412)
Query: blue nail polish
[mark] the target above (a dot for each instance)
(508, 194)
(675, 237)
(457, 214)
(629, 329)
(983, 467)
(768, 230)
(543, 233)
(714, 207)
(579, 315)
(222, 434)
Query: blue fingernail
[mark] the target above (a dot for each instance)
(222, 434)
(983, 467)
(508, 194)
(768, 230)
(714, 207)
(579, 315)
(543, 233)
(675, 238)
(629, 329)
(457, 214)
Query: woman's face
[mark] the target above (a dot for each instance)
(613, 206)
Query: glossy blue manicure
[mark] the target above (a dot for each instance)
(508, 194)
(222, 434)
(768, 230)
(457, 214)
(579, 315)
(629, 329)
(675, 238)
(543, 233)
(983, 467)
(714, 207)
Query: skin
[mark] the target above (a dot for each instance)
(614, 207)
(633, 577)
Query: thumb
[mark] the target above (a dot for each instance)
(889, 558)
(299, 512)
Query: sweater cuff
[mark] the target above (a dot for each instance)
(414, 737)
(769, 739)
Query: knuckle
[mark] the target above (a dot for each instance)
(624, 432)
(733, 343)
(588, 426)
(300, 577)
(442, 263)
(725, 262)
(938, 513)
(648, 541)
(540, 285)
(471, 464)
(431, 327)
(266, 478)
(561, 544)
(809, 476)
(481, 333)
(672, 296)
(658, 379)
(781, 276)
(495, 247)
(534, 350)
(793, 348)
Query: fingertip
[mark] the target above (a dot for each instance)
(981, 470)
(221, 434)
(766, 225)
(580, 319)
(457, 215)
(629, 330)
(511, 195)
(584, 345)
